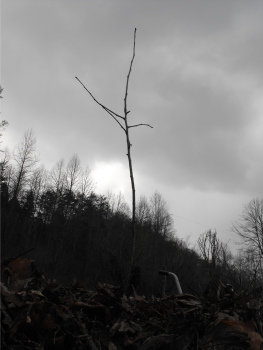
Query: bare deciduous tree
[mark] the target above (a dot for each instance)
(161, 220)
(210, 247)
(250, 228)
(143, 211)
(86, 183)
(162, 228)
(58, 177)
(117, 203)
(123, 123)
(25, 161)
(7, 169)
(38, 183)
(73, 172)
(3, 123)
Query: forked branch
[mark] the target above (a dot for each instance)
(113, 114)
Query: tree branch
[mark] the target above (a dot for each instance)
(111, 113)
(134, 126)
(128, 77)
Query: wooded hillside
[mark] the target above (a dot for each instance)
(80, 235)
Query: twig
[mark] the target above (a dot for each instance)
(112, 114)
(128, 77)
(55, 334)
(133, 126)
(156, 325)
(6, 262)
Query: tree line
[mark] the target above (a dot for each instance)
(78, 234)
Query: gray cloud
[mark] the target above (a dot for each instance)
(197, 78)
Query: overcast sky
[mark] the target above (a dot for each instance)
(197, 79)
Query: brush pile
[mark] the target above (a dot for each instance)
(40, 315)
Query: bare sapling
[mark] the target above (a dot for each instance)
(123, 123)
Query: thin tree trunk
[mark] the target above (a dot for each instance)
(125, 128)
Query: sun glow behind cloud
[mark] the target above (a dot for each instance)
(111, 176)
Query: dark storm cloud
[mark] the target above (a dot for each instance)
(202, 133)
(205, 111)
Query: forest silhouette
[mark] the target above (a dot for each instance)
(80, 235)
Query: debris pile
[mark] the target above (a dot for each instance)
(40, 315)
